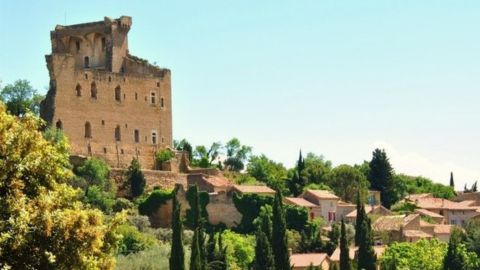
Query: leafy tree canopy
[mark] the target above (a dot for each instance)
(20, 97)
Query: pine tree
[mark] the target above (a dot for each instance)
(136, 178)
(279, 235)
(452, 184)
(344, 252)
(263, 252)
(381, 177)
(177, 254)
(366, 254)
(359, 221)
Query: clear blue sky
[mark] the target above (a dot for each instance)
(336, 78)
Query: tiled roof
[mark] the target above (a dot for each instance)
(214, 180)
(304, 260)
(425, 212)
(254, 189)
(388, 223)
(413, 197)
(467, 202)
(369, 209)
(351, 253)
(442, 229)
(438, 203)
(416, 233)
(345, 204)
(322, 194)
(299, 202)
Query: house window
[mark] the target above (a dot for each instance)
(89, 149)
(117, 133)
(59, 124)
(154, 137)
(136, 135)
(77, 45)
(118, 93)
(86, 62)
(78, 90)
(86, 76)
(152, 98)
(88, 130)
(93, 90)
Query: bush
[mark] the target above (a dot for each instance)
(122, 204)
(155, 258)
(95, 171)
(164, 155)
(99, 199)
(135, 178)
(153, 202)
(133, 240)
(240, 249)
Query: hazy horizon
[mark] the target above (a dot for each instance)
(336, 79)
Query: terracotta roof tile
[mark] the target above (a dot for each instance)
(253, 189)
(438, 203)
(416, 233)
(304, 260)
(299, 202)
(425, 212)
(351, 253)
(322, 194)
(442, 229)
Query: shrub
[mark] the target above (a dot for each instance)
(133, 240)
(156, 199)
(122, 204)
(99, 199)
(135, 178)
(164, 155)
(95, 171)
(240, 249)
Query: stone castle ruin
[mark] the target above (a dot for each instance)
(109, 103)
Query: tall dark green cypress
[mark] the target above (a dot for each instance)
(263, 252)
(177, 253)
(381, 177)
(198, 240)
(359, 220)
(136, 178)
(279, 235)
(366, 254)
(452, 183)
(344, 251)
(453, 260)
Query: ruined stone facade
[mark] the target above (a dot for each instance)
(109, 103)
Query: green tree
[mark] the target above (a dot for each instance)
(347, 181)
(381, 177)
(184, 145)
(198, 255)
(177, 254)
(237, 154)
(20, 97)
(359, 227)
(472, 236)
(311, 239)
(267, 171)
(366, 254)
(263, 252)
(43, 225)
(279, 235)
(136, 178)
(96, 172)
(316, 169)
(203, 157)
(344, 250)
(423, 254)
(454, 258)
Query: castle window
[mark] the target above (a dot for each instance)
(93, 90)
(118, 93)
(161, 102)
(88, 130)
(104, 150)
(103, 122)
(121, 151)
(109, 79)
(136, 135)
(117, 133)
(152, 98)
(103, 44)
(86, 76)
(86, 62)
(122, 69)
(59, 124)
(136, 96)
(154, 137)
(158, 84)
(77, 45)
(78, 90)
(126, 125)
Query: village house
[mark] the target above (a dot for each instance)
(313, 209)
(325, 199)
(249, 189)
(454, 213)
(371, 210)
(303, 261)
(352, 254)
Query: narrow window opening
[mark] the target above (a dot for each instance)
(103, 44)
(122, 69)
(89, 149)
(152, 98)
(154, 137)
(78, 90)
(104, 150)
(158, 84)
(136, 135)
(162, 102)
(109, 79)
(59, 124)
(118, 93)
(77, 45)
(126, 125)
(136, 96)
(86, 76)
(117, 133)
(103, 122)
(145, 98)
(121, 151)
(88, 130)
(86, 62)
(124, 96)
(93, 90)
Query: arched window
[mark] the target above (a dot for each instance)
(59, 124)
(77, 45)
(136, 135)
(154, 137)
(152, 98)
(88, 130)
(78, 90)
(118, 93)
(93, 90)
(89, 149)
(86, 62)
(117, 133)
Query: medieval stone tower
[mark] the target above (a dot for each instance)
(109, 103)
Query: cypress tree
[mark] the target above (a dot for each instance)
(279, 235)
(344, 252)
(195, 257)
(136, 178)
(211, 245)
(198, 240)
(359, 221)
(452, 184)
(381, 178)
(454, 260)
(177, 254)
(366, 254)
(263, 252)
